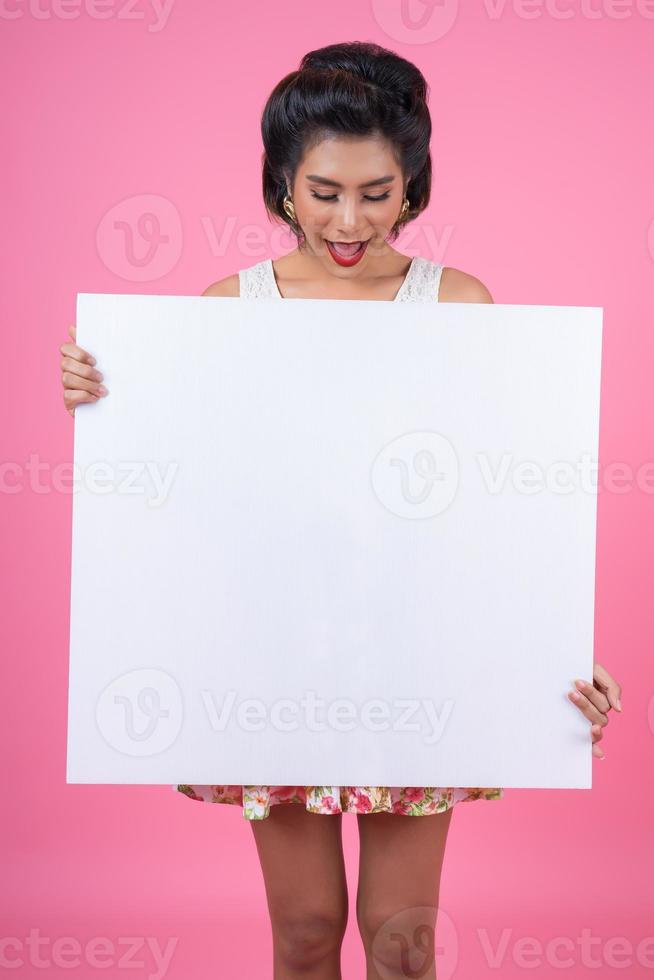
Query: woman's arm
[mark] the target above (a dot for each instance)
(595, 699)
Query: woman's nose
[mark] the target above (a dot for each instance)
(348, 216)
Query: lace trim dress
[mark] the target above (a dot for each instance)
(421, 283)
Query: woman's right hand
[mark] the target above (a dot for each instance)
(79, 377)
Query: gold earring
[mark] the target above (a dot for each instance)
(404, 208)
(289, 208)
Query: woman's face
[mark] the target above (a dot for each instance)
(348, 191)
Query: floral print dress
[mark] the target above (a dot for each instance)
(421, 283)
(411, 801)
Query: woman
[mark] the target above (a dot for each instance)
(346, 166)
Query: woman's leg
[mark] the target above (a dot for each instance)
(301, 857)
(400, 860)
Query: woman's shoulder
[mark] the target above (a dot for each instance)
(253, 279)
(460, 287)
(455, 287)
(229, 286)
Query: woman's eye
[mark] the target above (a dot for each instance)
(332, 197)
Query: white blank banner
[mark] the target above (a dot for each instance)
(330, 542)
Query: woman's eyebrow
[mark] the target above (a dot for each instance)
(334, 183)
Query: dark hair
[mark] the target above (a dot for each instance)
(351, 89)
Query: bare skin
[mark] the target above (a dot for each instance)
(301, 858)
(300, 852)
(400, 862)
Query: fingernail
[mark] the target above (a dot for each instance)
(92, 360)
(618, 705)
(575, 695)
(99, 375)
(102, 389)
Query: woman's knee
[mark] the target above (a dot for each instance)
(398, 938)
(306, 935)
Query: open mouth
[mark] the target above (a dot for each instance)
(346, 253)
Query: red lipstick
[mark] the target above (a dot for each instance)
(346, 253)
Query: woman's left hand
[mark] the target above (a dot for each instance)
(596, 700)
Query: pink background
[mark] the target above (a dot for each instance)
(544, 157)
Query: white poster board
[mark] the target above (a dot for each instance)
(333, 542)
